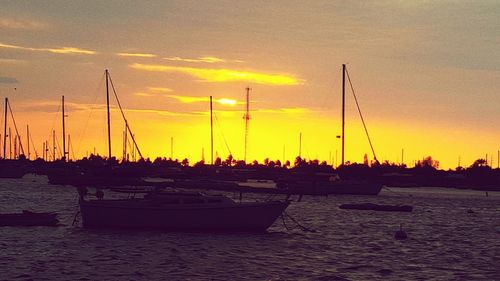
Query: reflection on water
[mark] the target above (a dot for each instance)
(445, 241)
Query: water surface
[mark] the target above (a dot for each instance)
(446, 242)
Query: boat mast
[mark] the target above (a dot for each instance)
(171, 147)
(343, 111)
(5, 129)
(211, 135)
(63, 131)
(300, 144)
(247, 120)
(28, 139)
(109, 119)
(54, 145)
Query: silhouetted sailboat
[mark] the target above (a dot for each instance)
(179, 210)
(103, 175)
(10, 168)
(176, 210)
(329, 183)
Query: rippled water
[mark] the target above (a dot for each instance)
(445, 242)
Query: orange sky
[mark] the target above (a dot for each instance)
(426, 79)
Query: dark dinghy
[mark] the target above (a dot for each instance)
(376, 207)
(27, 218)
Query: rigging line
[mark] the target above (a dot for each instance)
(220, 139)
(15, 127)
(361, 115)
(56, 117)
(33, 144)
(123, 115)
(72, 151)
(92, 107)
(222, 133)
(58, 147)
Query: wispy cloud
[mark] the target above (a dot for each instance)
(223, 75)
(140, 55)
(8, 80)
(53, 106)
(207, 59)
(21, 24)
(191, 99)
(142, 94)
(154, 91)
(287, 110)
(62, 50)
(12, 61)
(160, 89)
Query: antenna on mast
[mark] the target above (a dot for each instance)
(211, 135)
(247, 120)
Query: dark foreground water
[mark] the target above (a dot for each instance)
(445, 242)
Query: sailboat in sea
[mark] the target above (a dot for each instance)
(101, 172)
(170, 209)
(9, 167)
(329, 183)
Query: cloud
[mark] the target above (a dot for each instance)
(200, 59)
(62, 50)
(190, 99)
(160, 90)
(223, 75)
(8, 80)
(12, 61)
(287, 110)
(142, 94)
(140, 55)
(54, 106)
(6, 23)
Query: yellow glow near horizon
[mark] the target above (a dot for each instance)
(271, 135)
(223, 75)
(62, 50)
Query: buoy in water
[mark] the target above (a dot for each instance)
(470, 211)
(400, 234)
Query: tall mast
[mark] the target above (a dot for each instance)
(63, 131)
(28, 139)
(125, 144)
(300, 144)
(54, 145)
(247, 120)
(172, 148)
(10, 144)
(343, 111)
(69, 145)
(5, 129)
(211, 135)
(109, 119)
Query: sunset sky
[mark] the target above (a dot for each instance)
(426, 74)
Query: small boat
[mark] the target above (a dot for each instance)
(28, 218)
(180, 210)
(377, 207)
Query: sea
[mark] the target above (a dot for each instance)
(453, 234)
